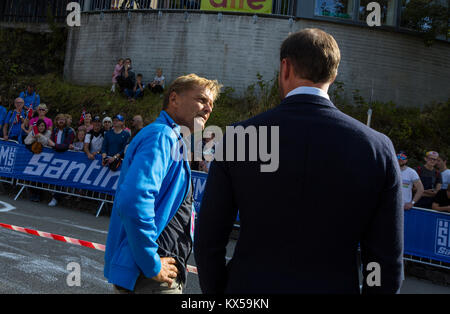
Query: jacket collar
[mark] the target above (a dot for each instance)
(300, 99)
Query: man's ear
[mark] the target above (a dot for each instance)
(285, 69)
(173, 100)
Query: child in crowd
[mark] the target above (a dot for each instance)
(78, 145)
(117, 70)
(137, 91)
(157, 86)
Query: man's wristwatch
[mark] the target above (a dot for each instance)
(413, 202)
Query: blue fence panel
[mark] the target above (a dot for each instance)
(427, 234)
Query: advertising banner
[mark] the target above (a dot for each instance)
(427, 234)
(250, 6)
(69, 169)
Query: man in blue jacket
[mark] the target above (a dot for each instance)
(149, 242)
(31, 97)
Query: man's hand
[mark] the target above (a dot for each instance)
(168, 271)
(408, 206)
(90, 156)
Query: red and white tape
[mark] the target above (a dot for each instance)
(57, 237)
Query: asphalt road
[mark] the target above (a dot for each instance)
(32, 264)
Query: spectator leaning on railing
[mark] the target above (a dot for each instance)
(14, 126)
(94, 139)
(441, 201)
(42, 136)
(62, 136)
(410, 179)
(78, 144)
(114, 143)
(431, 179)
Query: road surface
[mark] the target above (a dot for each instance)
(32, 264)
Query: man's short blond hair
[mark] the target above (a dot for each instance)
(189, 82)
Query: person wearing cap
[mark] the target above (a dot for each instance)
(42, 111)
(94, 139)
(410, 179)
(15, 124)
(431, 179)
(107, 124)
(115, 140)
(149, 241)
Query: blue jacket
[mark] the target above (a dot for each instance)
(152, 185)
(34, 100)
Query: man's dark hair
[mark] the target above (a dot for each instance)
(443, 157)
(313, 53)
(139, 75)
(128, 59)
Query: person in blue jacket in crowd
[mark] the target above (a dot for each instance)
(3, 113)
(31, 97)
(15, 123)
(149, 240)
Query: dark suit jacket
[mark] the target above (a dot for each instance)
(338, 184)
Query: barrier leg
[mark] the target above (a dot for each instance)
(18, 194)
(100, 209)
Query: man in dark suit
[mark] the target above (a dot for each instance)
(337, 185)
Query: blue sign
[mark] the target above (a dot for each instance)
(427, 234)
(68, 169)
(199, 183)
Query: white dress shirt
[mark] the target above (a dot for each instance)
(308, 90)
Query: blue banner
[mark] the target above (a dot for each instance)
(427, 234)
(68, 169)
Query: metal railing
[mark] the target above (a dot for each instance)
(37, 11)
(279, 7)
(92, 195)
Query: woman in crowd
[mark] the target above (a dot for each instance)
(38, 137)
(87, 123)
(41, 115)
(42, 136)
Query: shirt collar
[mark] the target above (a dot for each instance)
(308, 90)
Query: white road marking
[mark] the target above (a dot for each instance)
(6, 207)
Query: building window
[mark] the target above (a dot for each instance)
(334, 8)
(388, 9)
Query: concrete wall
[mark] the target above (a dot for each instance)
(399, 67)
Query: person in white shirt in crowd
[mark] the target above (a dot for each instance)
(157, 86)
(94, 139)
(410, 179)
(445, 173)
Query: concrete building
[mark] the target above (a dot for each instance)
(385, 63)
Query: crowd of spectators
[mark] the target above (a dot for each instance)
(133, 86)
(27, 123)
(427, 186)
